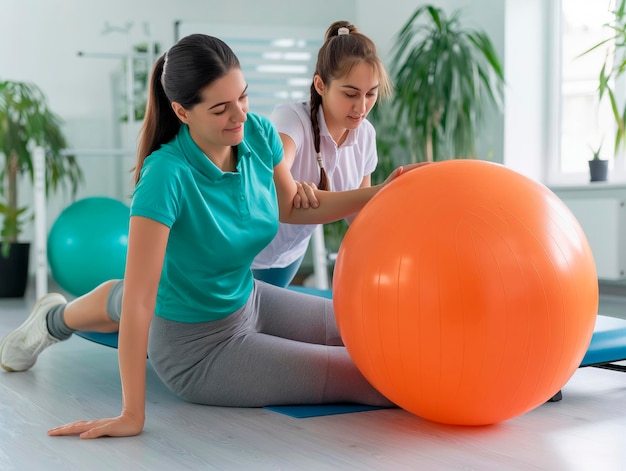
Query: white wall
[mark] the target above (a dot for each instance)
(527, 52)
(601, 212)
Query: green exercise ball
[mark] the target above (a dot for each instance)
(87, 244)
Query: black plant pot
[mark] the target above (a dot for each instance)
(14, 271)
(598, 170)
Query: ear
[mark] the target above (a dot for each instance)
(319, 85)
(180, 112)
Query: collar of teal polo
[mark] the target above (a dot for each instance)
(200, 161)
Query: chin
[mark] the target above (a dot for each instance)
(235, 139)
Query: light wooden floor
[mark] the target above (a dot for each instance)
(78, 379)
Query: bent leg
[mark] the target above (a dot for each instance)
(294, 315)
(259, 370)
(97, 311)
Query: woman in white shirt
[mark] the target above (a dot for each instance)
(327, 139)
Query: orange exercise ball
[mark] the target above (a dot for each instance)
(466, 293)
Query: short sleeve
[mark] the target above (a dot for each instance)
(276, 145)
(288, 121)
(158, 191)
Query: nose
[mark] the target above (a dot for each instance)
(240, 113)
(360, 106)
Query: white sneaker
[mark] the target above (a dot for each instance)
(19, 350)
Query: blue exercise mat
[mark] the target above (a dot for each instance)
(608, 343)
(109, 340)
(318, 410)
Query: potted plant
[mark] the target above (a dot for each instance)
(26, 121)
(598, 167)
(444, 75)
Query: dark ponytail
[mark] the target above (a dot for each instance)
(160, 123)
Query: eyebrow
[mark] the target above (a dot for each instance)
(227, 102)
(352, 87)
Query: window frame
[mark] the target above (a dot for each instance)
(553, 173)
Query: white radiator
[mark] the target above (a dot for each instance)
(604, 224)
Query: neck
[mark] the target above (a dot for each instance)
(225, 160)
(339, 136)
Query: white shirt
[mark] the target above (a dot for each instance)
(345, 166)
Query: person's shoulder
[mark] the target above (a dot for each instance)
(166, 160)
(257, 120)
(259, 130)
(367, 126)
(258, 125)
(366, 131)
(299, 108)
(295, 106)
(167, 154)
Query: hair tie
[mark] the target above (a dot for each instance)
(343, 30)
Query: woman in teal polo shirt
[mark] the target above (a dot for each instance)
(211, 187)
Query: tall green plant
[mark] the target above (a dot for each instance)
(612, 68)
(26, 121)
(444, 76)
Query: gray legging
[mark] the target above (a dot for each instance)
(282, 347)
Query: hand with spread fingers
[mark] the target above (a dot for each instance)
(123, 426)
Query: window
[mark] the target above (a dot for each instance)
(278, 63)
(586, 123)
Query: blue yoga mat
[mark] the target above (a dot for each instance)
(608, 343)
(318, 410)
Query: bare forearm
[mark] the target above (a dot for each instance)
(332, 206)
(133, 347)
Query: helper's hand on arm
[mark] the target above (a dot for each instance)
(401, 170)
(305, 197)
(333, 205)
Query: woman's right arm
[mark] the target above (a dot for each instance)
(147, 241)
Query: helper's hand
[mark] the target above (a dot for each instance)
(305, 197)
(404, 169)
(122, 426)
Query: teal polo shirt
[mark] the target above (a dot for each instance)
(219, 221)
